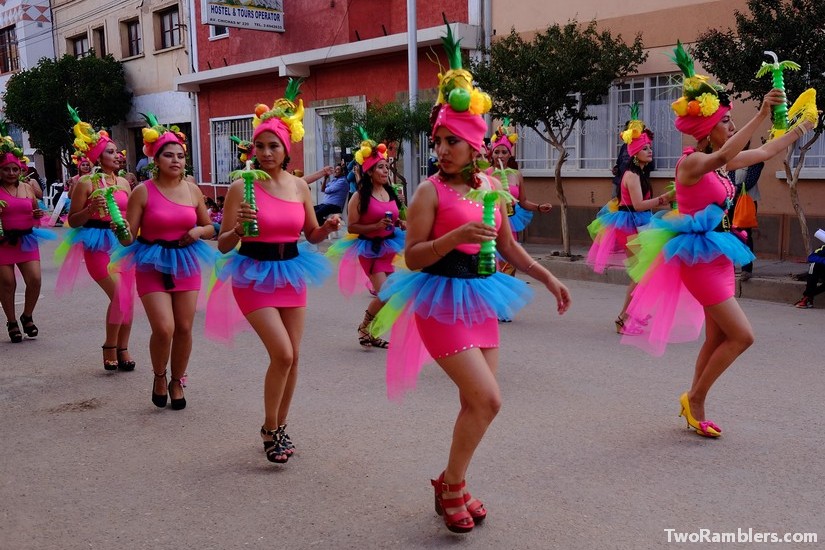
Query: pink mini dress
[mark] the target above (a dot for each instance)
(19, 242)
(373, 252)
(161, 264)
(447, 307)
(270, 270)
(685, 263)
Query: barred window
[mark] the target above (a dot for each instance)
(224, 150)
(9, 57)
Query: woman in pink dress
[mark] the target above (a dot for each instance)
(19, 239)
(270, 272)
(376, 234)
(448, 310)
(614, 225)
(167, 219)
(685, 260)
(92, 241)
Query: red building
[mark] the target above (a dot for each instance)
(348, 52)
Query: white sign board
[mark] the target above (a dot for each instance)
(262, 15)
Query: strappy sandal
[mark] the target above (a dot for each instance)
(123, 364)
(476, 508)
(274, 448)
(176, 404)
(289, 446)
(458, 522)
(28, 326)
(159, 399)
(627, 327)
(379, 342)
(364, 337)
(14, 332)
(109, 364)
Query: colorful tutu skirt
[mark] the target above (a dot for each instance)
(243, 284)
(433, 316)
(520, 219)
(354, 252)
(163, 266)
(21, 246)
(682, 263)
(93, 245)
(610, 232)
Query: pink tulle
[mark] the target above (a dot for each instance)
(123, 303)
(67, 275)
(608, 249)
(676, 316)
(405, 356)
(351, 278)
(223, 316)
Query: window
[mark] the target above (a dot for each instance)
(99, 41)
(79, 45)
(218, 31)
(9, 58)
(131, 39)
(594, 144)
(168, 28)
(224, 150)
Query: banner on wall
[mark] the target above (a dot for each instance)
(261, 15)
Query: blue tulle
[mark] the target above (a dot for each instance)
(696, 241)
(93, 239)
(32, 240)
(520, 219)
(308, 268)
(626, 222)
(178, 262)
(361, 247)
(450, 299)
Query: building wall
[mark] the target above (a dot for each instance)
(149, 75)
(779, 234)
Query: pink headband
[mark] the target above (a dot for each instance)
(277, 127)
(699, 126)
(10, 158)
(96, 150)
(372, 160)
(503, 140)
(469, 127)
(166, 137)
(638, 144)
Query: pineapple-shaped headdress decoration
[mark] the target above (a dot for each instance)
(284, 118)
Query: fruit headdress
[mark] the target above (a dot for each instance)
(370, 152)
(636, 135)
(156, 135)
(87, 141)
(503, 137)
(284, 118)
(9, 151)
(702, 104)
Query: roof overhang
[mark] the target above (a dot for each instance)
(299, 64)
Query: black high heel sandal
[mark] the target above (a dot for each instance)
(158, 399)
(109, 364)
(286, 442)
(176, 404)
(14, 332)
(122, 364)
(274, 448)
(28, 326)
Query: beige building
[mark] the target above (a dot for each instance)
(151, 38)
(593, 148)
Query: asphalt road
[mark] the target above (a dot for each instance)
(587, 451)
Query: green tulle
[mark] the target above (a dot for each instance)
(595, 227)
(645, 248)
(62, 251)
(388, 315)
(340, 246)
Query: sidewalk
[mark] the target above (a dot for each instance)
(772, 279)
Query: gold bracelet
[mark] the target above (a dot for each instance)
(432, 245)
(531, 266)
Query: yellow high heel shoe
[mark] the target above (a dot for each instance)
(705, 428)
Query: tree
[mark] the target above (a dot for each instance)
(390, 123)
(547, 84)
(36, 99)
(791, 28)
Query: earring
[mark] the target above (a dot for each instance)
(635, 161)
(155, 172)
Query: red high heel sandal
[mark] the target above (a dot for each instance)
(459, 522)
(477, 510)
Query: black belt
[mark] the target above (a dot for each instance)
(13, 236)
(97, 224)
(456, 264)
(269, 252)
(376, 242)
(168, 279)
(626, 208)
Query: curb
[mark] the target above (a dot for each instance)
(770, 289)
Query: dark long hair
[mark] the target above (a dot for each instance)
(643, 178)
(365, 193)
